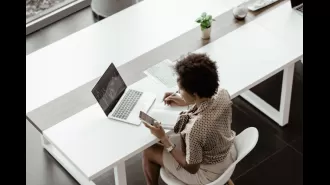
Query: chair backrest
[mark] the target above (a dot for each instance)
(244, 143)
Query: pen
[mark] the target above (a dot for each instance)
(171, 95)
(174, 93)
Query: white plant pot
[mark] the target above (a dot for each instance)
(206, 33)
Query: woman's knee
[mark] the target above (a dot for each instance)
(147, 153)
(153, 153)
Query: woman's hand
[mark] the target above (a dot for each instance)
(157, 130)
(173, 99)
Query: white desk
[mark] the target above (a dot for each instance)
(104, 143)
(286, 23)
(83, 56)
(87, 144)
(287, 26)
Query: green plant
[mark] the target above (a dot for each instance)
(205, 21)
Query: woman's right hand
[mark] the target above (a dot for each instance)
(173, 100)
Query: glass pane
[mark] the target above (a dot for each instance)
(38, 8)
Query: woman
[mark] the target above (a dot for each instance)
(202, 148)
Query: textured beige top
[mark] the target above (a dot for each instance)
(206, 130)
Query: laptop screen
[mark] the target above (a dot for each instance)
(109, 89)
(295, 3)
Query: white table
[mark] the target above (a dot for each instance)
(88, 144)
(83, 56)
(286, 25)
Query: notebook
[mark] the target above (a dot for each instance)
(166, 115)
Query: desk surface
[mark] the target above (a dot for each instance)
(92, 142)
(285, 23)
(79, 98)
(81, 57)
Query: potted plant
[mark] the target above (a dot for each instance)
(205, 22)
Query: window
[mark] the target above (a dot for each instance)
(40, 13)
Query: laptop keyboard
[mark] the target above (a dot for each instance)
(127, 104)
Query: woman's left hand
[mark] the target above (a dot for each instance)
(157, 130)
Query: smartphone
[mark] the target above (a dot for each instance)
(146, 118)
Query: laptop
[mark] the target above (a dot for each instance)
(119, 102)
(298, 6)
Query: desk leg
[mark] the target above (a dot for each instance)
(65, 163)
(282, 116)
(120, 174)
(44, 141)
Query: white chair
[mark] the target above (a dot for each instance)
(244, 143)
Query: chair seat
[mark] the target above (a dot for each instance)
(169, 178)
(244, 143)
